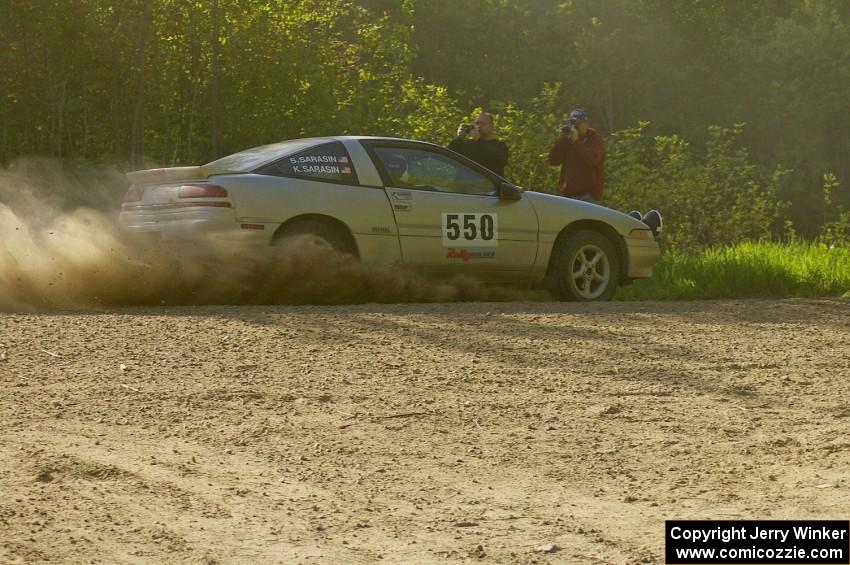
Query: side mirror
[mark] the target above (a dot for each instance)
(508, 191)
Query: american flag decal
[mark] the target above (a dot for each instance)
(345, 170)
(343, 159)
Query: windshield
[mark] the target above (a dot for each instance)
(250, 159)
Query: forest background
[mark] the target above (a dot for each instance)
(732, 116)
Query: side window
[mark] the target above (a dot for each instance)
(328, 162)
(427, 170)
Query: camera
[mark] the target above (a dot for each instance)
(466, 128)
(568, 126)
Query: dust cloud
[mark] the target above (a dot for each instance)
(61, 248)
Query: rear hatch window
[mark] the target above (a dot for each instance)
(248, 160)
(329, 162)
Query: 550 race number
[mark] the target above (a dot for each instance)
(479, 230)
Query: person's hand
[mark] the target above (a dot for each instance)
(460, 131)
(568, 135)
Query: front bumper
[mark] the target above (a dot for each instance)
(641, 256)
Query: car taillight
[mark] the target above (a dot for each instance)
(134, 194)
(202, 191)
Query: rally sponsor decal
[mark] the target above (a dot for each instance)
(473, 229)
(318, 169)
(317, 159)
(467, 255)
(321, 165)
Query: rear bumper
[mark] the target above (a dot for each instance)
(642, 254)
(196, 225)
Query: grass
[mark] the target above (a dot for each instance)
(748, 270)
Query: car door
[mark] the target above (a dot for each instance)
(449, 214)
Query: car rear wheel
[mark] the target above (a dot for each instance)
(586, 267)
(316, 233)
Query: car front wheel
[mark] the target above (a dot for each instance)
(586, 267)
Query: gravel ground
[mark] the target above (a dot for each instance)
(415, 433)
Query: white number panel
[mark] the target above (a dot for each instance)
(475, 230)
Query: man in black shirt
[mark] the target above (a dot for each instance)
(483, 148)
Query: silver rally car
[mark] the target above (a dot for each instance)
(396, 201)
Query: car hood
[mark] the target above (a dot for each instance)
(555, 212)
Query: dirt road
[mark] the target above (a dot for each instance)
(415, 433)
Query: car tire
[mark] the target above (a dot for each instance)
(318, 233)
(586, 267)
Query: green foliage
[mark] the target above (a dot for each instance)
(529, 134)
(168, 82)
(176, 81)
(747, 270)
(708, 197)
(836, 227)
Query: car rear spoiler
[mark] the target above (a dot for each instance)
(172, 174)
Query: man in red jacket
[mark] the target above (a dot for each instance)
(580, 151)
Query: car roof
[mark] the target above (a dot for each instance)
(255, 154)
(330, 138)
(326, 138)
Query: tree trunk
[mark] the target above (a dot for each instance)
(85, 147)
(609, 104)
(60, 121)
(137, 142)
(214, 78)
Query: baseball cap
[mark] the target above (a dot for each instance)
(579, 114)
